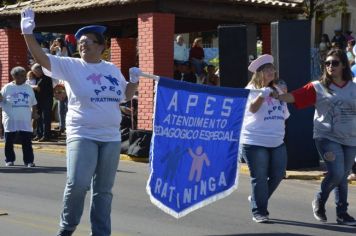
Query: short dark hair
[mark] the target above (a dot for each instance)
(17, 70)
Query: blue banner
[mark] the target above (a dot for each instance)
(194, 147)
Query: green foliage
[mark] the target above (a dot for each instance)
(325, 7)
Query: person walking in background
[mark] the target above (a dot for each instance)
(18, 101)
(262, 136)
(44, 96)
(334, 98)
(93, 127)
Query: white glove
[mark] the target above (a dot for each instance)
(135, 74)
(265, 92)
(27, 21)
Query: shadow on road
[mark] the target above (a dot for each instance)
(126, 171)
(257, 234)
(32, 170)
(331, 227)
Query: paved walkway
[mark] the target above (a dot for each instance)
(59, 146)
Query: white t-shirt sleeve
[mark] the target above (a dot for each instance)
(61, 67)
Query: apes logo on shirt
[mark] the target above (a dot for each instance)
(20, 99)
(105, 84)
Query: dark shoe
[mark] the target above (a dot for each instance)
(345, 219)
(64, 232)
(44, 139)
(319, 211)
(260, 218)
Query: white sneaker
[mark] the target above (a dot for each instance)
(31, 165)
(10, 163)
(260, 218)
(249, 198)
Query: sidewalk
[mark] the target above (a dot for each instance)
(59, 146)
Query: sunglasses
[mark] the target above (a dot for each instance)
(333, 63)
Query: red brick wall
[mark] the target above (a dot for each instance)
(155, 47)
(266, 38)
(13, 52)
(123, 54)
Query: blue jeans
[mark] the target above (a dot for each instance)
(198, 65)
(62, 112)
(338, 159)
(267, 169)
(26, 143)
(90, 164)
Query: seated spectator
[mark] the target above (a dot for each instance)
(212, 78)
(188, 73)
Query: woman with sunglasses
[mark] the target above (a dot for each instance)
(262, 136)
(334, 98)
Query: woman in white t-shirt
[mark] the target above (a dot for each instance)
(95, 89)
(262, 136)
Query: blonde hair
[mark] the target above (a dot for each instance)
(30, 75)
(197, 40)
(257, 78)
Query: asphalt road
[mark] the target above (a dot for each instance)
(32, 197)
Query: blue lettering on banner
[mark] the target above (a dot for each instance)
(194, 147)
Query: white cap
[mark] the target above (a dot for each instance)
(260, 61)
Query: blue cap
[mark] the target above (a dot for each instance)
(90, 29)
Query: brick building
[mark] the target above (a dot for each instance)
(143, 27)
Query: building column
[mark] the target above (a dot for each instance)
(13, 53)
(155, 49)
(123, 54)
(266, 38)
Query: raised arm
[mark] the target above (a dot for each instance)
(27, 26)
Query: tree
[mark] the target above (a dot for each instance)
(325, 7)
